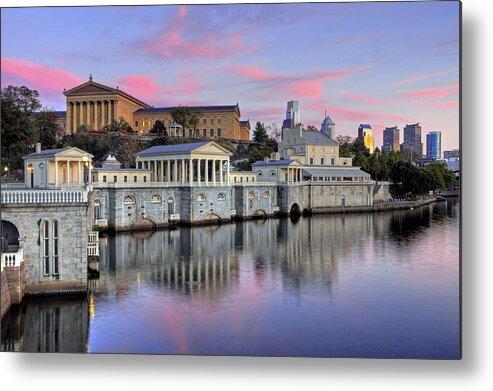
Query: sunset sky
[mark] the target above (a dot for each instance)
(384, 64)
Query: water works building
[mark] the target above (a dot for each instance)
(97, 105)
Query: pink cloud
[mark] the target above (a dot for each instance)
(425, 76)
(433, 92)
(177, 42)
(360, 97)
(251, 72)
(449, 105)
(46, 80)
(264, 113)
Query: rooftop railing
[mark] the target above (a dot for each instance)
(43, 196)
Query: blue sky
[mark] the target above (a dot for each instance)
(380, 63)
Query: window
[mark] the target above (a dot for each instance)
(312, 160)
(171, 205)
(266, 194)
(143, 123)
(115, 178)
(259, 173)
(272, 173)
(219, 133)
(322, 161)
(129, 200)
(247, 179)
(46, 247)
(333, 161)
(145, 178)
(205, 121)
(135, 178)
(212, 132)
(221, 197)
(55, 247)
(250, 195)
(125, 179)
(201, 197)
(219, 121)
(137, 124)
(104, 178)
(97, 209)
(205, 132)
(212, 121)
(156, 199)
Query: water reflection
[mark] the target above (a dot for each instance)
(353, 285)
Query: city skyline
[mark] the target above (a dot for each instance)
(324, 55)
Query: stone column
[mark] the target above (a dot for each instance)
(175, 170)
(182, 171)
(227, 172)
(198, 171)
(221, 172)
(68, 172)
(161, 177)
(56, 172)
(206, 172)
(81, 118)
(168, 170)
(78, 172)
(190, 171)
(68, 118)
(214, 172)
(103, 113)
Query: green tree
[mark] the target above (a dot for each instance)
(121, 124)
(260, 133)
(194, 120)
(19, 132)
(181, 115)
(158, 128)
(46, 122)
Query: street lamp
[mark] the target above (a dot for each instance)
(30, 169)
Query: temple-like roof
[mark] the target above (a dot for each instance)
(179, 148)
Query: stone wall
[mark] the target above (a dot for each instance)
(5, 298)
(333, 196)
(72, 241)
(255, 201)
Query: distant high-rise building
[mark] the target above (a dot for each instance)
(412, 146)
(454, 153)
(365, 136)
(391, 139)
(434, 145)
(292, 115)
(328, 127)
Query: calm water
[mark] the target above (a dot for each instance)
(362, 285)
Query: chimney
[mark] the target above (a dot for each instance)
(38, 147)
(266, 159)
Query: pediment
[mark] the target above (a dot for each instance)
(212, 148)
(90, 88)
(73, 152)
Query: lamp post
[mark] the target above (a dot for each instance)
(30, 169)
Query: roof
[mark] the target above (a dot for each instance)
(365, 126)
(52, 152)
(198, 108)
(274, 163)
(121, 169)
(178, 148)
(318, 138)
(335, 171)
(247, 122)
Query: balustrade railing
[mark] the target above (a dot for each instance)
(13, 259)
(35, 196)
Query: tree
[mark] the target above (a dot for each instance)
(121, 124)
(194, 120)
(19, 132)
(46, 122)
(312, 128)
(260, 133)
(186, 117)
(158, 128)
(274, 132)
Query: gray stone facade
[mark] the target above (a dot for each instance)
(72, 222)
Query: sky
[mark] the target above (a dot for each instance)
(386, 64)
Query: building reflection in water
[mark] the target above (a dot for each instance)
(47, 324)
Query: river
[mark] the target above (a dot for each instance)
(380, 285)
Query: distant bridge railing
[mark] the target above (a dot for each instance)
(35, 196)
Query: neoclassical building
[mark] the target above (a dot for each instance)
(97, 105)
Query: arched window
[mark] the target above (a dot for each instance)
(171, 205)
(221, 197)
(259, 173)
(266, 194)
(45, 234)
(251, 196)
(201, 197)
(55, 234)
(97, 209)
(129, 200)
(156, 199)
(272, 173)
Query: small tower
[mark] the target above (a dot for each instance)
(90, 77)
(328, 126)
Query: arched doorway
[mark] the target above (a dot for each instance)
(9, 237)
(295, 210)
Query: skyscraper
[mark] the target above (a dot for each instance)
(328, 127)
(365, 136)
(434, 145)
(412, 146)
(391, 139)
(292, 115)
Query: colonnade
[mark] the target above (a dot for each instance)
(294, 175)
(192, 171)
(94, 113)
